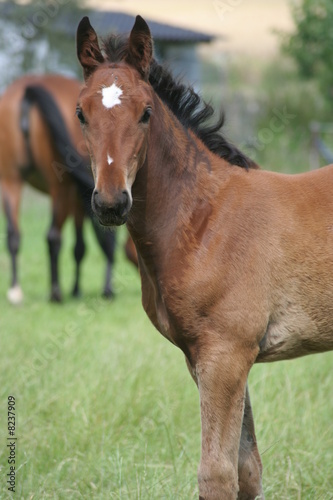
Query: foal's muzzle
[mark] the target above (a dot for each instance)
(111, 212)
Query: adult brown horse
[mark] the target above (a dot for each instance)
(41, 143)
(236, 263)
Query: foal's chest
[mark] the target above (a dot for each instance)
(156, 308)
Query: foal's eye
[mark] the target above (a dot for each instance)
(146, 115)
(80, 116)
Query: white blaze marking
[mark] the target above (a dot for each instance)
(110, 160)
(111, 96)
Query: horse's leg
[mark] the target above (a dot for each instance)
(221, 371)
(249, 462)
(107, 241)
(79, 248)
(11, 195)
(59, 215)
(109, 251)
(54, 244)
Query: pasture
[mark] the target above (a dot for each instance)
(105, 406)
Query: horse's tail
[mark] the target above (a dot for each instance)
(71, 160)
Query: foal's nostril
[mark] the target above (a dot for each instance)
(96, 197)
(122, 205)
(125, 198)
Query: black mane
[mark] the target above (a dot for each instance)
(190, 109)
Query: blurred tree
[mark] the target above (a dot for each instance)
(311, 45)
(36, 37)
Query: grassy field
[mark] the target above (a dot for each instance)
(105, 406)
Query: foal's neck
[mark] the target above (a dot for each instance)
(178, 179)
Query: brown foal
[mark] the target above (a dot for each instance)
(236, 263)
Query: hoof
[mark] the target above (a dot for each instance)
(76, 292)
(108, 294)
(56, 295)
(15, 295)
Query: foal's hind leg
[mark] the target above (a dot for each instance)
(249, 462)
(11, 194)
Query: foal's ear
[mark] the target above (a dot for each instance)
(88, 51)
(140, 47)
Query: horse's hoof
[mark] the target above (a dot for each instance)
(76, 293)
(108, 294)
(15, 295)
(56, 295)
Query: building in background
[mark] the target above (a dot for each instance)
(174, 45)
(38, 37)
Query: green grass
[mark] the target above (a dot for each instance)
(105, 406)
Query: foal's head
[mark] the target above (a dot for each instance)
(114, 109)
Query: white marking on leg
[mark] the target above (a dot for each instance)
(110, 160)
(15, 295)
(111, 96)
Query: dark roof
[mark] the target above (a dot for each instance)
(120, 23)
(104, 22)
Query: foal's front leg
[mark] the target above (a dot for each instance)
(249, 461)
(221, 371)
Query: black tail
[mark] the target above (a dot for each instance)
(71, 161)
